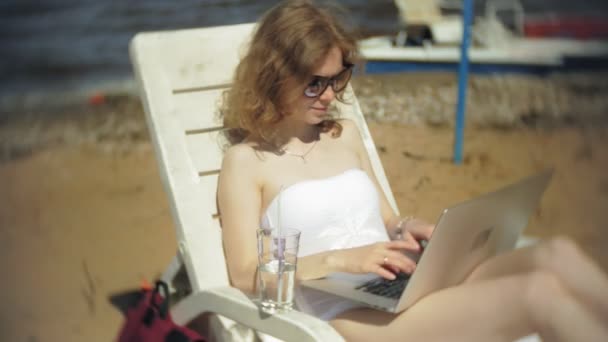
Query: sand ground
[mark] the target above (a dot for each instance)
(81, 221)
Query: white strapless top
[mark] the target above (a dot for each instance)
(336, 212)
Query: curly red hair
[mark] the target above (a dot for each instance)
(290, 40)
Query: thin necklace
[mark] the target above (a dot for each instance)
(301, 155)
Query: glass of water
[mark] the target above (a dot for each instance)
(277, 260)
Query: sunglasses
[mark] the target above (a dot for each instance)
(319, 84)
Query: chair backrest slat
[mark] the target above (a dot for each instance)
(197, 110)
(205, 151)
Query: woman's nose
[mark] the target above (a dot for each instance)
(328, 95)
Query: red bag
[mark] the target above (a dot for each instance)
(148, 320)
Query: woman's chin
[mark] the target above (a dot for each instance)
(317, 120)
(317, 117)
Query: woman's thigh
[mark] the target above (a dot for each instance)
(517, 261)
(491, 310)
(558, 256)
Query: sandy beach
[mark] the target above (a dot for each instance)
(83, 213)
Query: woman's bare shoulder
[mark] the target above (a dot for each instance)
(242, 156)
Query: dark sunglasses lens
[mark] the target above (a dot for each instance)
(315, 87)
(342, 79)
(318, 85)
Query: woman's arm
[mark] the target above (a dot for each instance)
(382, 258)
(240, 201)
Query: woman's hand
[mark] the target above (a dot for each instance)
(411, 228)
(382, 258)
(418, 229)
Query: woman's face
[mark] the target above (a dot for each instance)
(313, 110)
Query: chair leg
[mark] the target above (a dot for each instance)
(176, 277)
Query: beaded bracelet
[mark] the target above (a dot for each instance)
(402, 222)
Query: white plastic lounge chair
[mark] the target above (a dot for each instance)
(181, 75)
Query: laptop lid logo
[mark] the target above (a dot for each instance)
(481, 239)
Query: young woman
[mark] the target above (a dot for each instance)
(283, 136)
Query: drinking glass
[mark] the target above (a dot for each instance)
(277, 260)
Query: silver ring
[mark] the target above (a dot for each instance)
(385, 260)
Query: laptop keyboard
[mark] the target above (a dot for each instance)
(385, 287)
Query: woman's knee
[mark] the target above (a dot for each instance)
(555, 253)
(542, 294)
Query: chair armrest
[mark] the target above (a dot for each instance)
(234, 304)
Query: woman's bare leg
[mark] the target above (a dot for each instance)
(559, 256)
(558, 315)
(500, 309)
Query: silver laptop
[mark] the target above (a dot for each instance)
(465, 235)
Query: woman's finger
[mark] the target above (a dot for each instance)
(413, 244)
(393, 268)
(380, 267)
(384, 273)
(421, 230)
(407, 243)
(400, 261)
